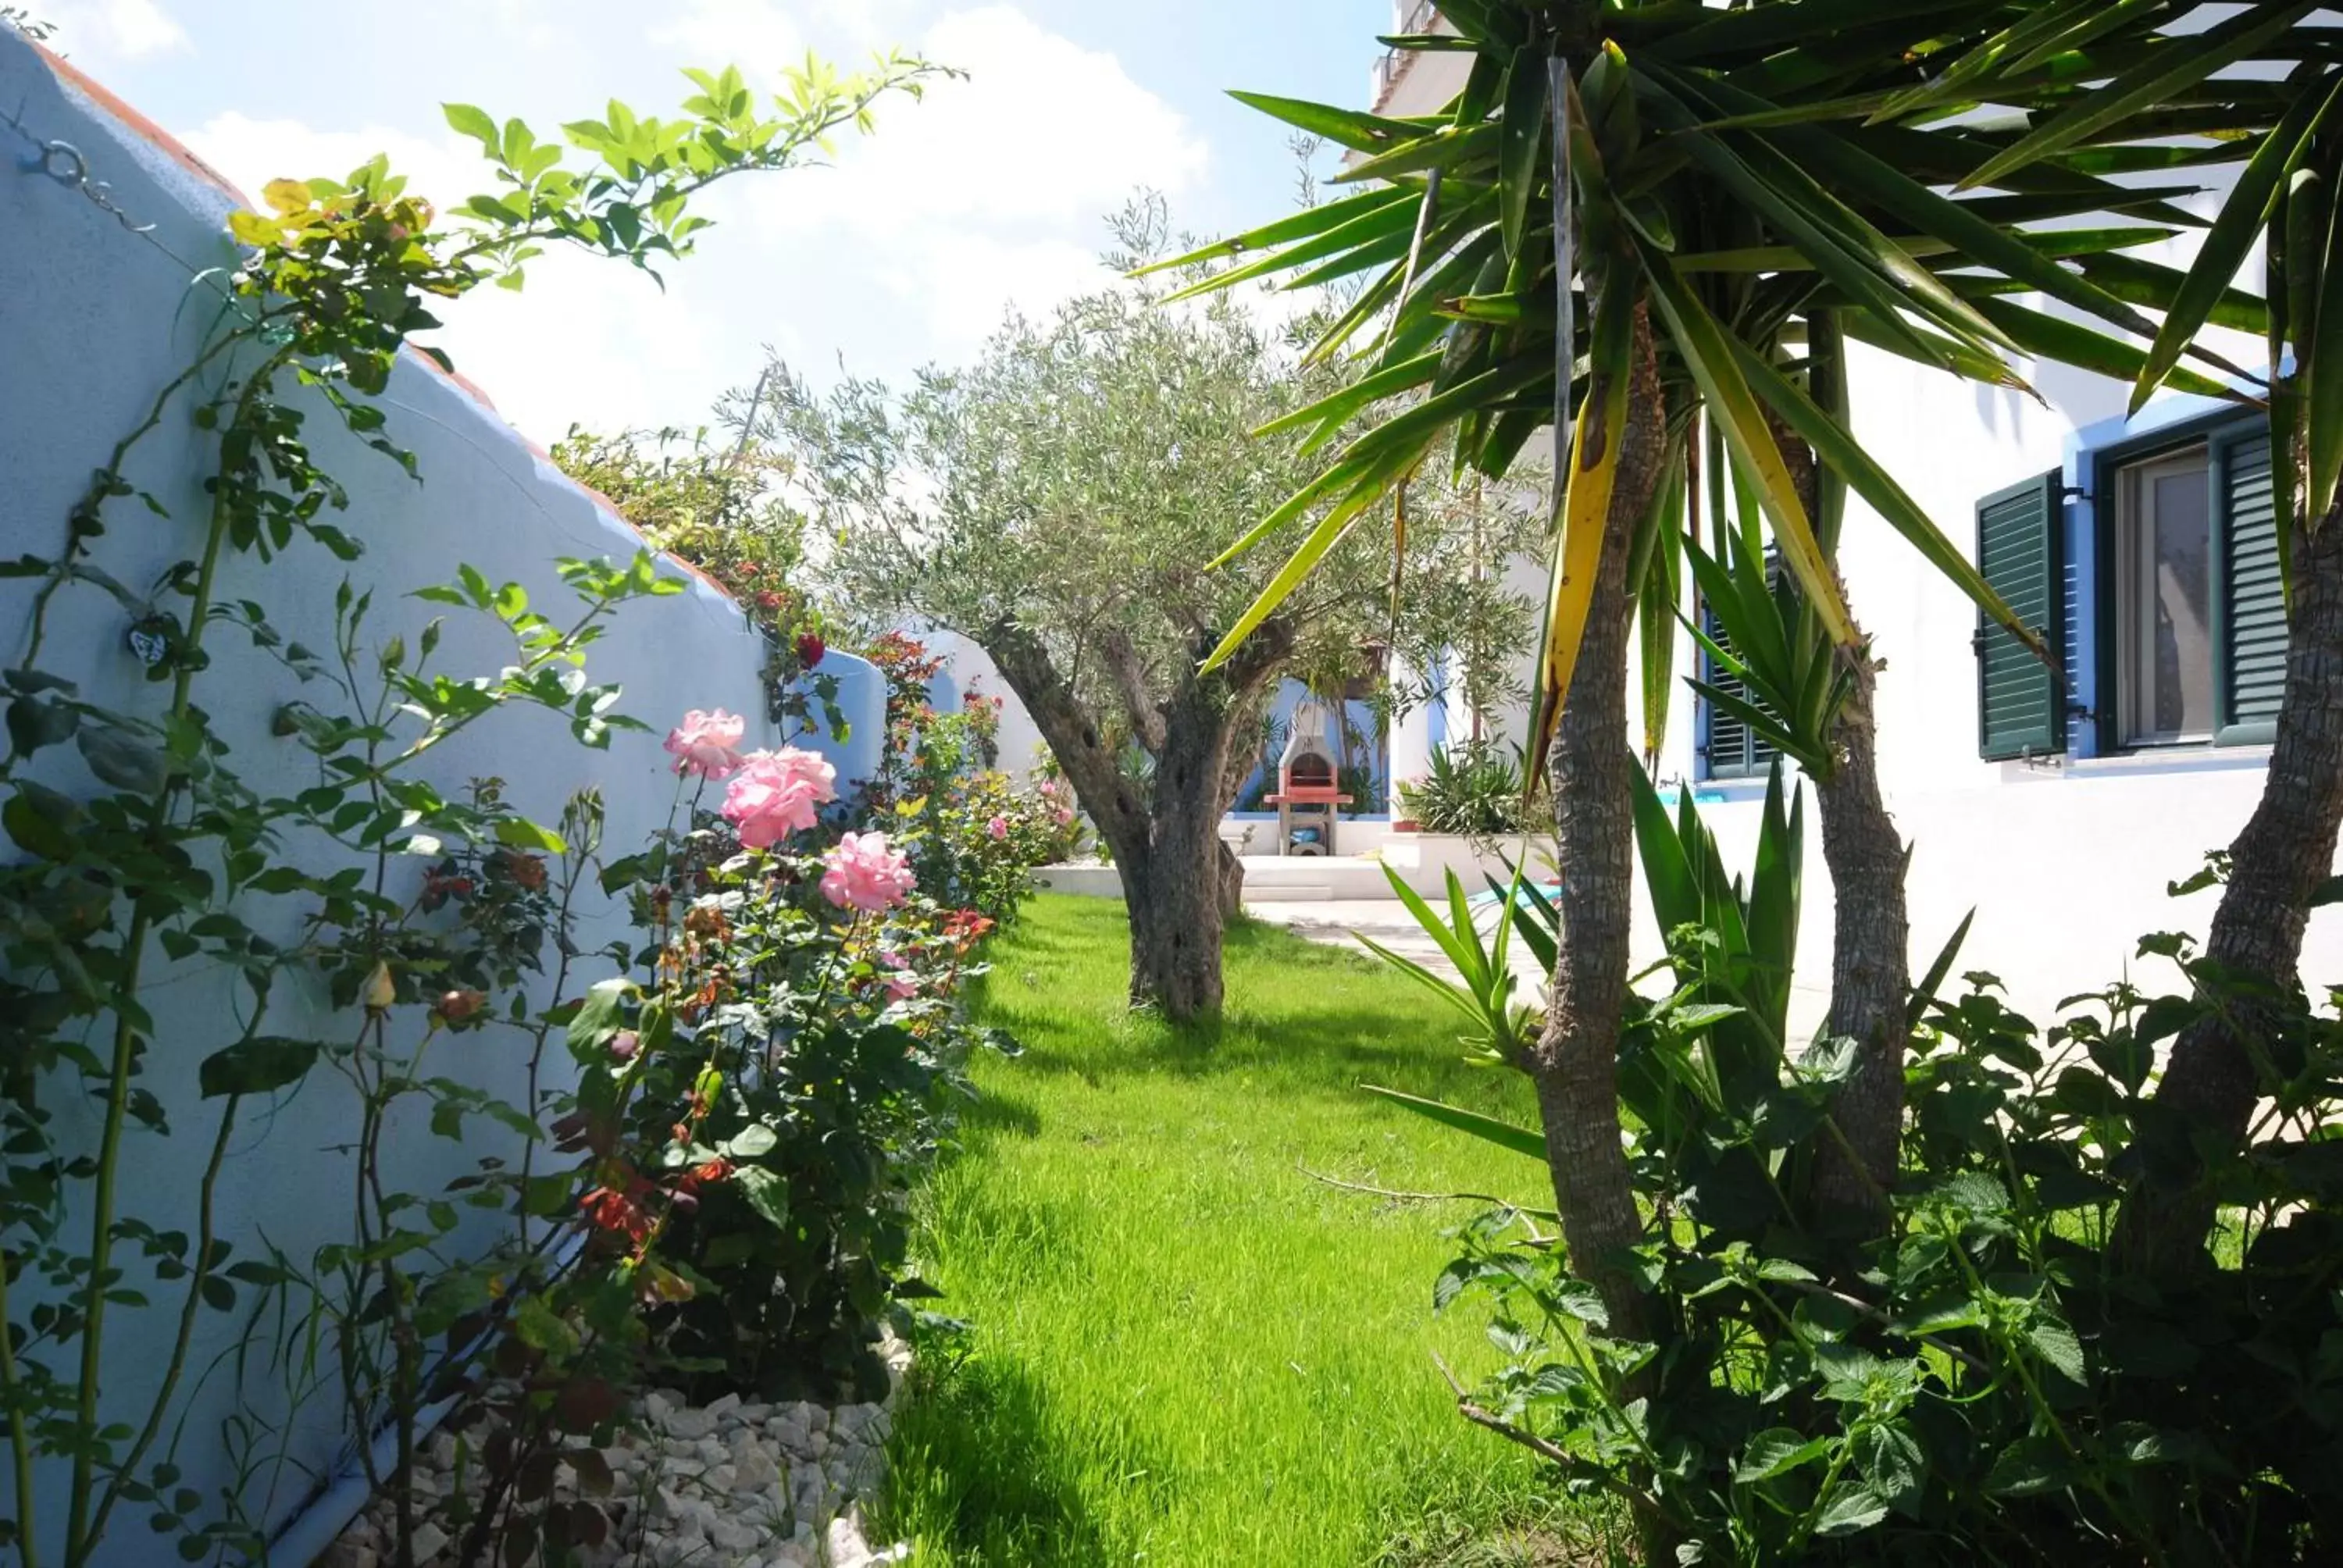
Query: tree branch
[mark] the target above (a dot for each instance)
(1128, 673)
(1074, 737)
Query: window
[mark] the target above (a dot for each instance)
(2164, 600)
(1728, 748)
(2189, 640)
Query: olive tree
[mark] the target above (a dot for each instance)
(1059, 502)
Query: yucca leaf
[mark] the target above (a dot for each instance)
(1503, 1134)
(1377, 474)
(1302, 225)
(1338, 408)
(1352, 128)
(1523, 135)
(1835, 446)
(2155, 285)
(2071, 343)
(1377, 223)
(2176, 64)
(2244, 214)
(1447, 990)
(1593, 456)
(1667, 868)
(1703, 344)
(2048, 31)
(1924, 993)
(1897, 192)
(1443, 147)
(2321, 369)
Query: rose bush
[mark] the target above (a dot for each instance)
(972, 834)
(760, 1090)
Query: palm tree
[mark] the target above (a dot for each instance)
(1649, 224)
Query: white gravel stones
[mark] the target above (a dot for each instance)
(733, 1483)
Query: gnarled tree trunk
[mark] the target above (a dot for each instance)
(1180, 882)
(2286, 850)
(1575, 1063)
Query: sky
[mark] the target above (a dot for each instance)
(991, 193)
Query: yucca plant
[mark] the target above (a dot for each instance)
(1650, 226)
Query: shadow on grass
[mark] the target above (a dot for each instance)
(978, 1482)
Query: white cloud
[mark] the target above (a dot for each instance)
(993, 190)
(908, 251)
(122, 29)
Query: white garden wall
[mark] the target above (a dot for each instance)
(94, 319)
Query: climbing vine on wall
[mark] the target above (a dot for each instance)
(141, 847)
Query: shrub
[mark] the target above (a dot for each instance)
(973, 835)
(757, 1096)
(1995, 1374)
(1475, 791)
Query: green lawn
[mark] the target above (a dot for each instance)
(1184, 1350)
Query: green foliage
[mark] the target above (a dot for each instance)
(720, 512)
(1990, 1378)
(1071, 479)
(1753, 182)
(973, 834)
(1476, 790)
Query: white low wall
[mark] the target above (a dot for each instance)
(96, 320)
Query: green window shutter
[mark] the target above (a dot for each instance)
(2021, 711)
(1733, 751)
(2251, 640)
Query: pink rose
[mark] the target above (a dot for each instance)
(998, 827)
(900, 985)
(776, 795)
(1065, 816)
(865, 872)
(706, 743)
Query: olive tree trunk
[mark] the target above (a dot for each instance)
(1180, 882)
(1576, 1061)
(2287, 848)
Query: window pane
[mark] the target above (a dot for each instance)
(2180, 627)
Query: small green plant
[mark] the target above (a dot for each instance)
(1476, 790)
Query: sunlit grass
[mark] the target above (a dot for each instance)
(1186, 1351)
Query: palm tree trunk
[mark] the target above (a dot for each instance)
(1870, 977)
(1575, 1063)
(2287, 848)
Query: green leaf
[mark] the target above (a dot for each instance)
(767, 1193)
(1774, 1451)
(520, 833)
(1309, 221)
(1359, 132)
(42, 821)
(2027, 1467)
(1851, 1511)
(751, 1142)
(1522, 133)
(35, 722)
(122, 761)
(1847, 458)
(260, 1065)
(2174, 66)
(599, 1017)
(466, 120)
(1503, 1134)
(2056, 1344)
(1707, 350)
